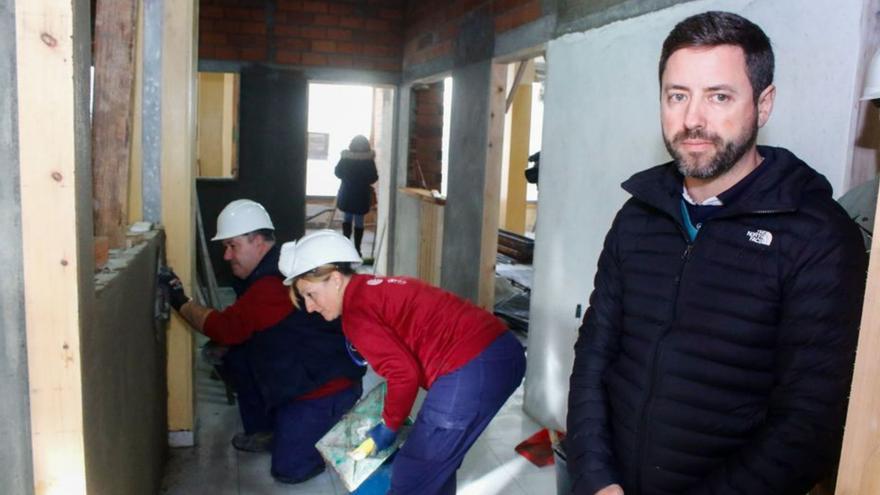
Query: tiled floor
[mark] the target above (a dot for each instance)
(213, 467)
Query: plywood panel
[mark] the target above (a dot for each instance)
(48, 81)
(859, 470)
(115, 40)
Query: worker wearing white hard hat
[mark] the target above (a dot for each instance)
(414, 335)
(292, 373)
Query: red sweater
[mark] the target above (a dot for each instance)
(263, 304)
(412, 333)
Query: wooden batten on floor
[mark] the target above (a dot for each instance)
(115, 41)
(859, 471)
(52, 60)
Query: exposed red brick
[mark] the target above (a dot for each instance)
(378, 51)
(253, 54)
(326, 20)
(349, 48)
(226, 53)
(395, 14)
(314, 33)
(288, 57)
(351, 22)
(292, 44)
(519, 16)
(323, 46)
(212, 38)
(338, 34)
(314, 59)
(339, 60)
(377, 25)
(315, 7)
(285, 30)
(290, 5)
(340, 9)
(253, 28)
(211, 12)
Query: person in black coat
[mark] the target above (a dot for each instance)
(357, 171)
(717, 352)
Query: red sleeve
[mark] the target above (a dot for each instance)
(264, 304)
(392, 360)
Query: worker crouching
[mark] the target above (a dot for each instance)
(414, 335)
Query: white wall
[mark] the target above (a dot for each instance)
(602, 125)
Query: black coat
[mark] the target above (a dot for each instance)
(357, 175)
(298, 354)
(720, 366)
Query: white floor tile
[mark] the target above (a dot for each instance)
(213, 467)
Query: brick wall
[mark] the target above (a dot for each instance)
(359, 34)
(432, 25)
(426, 137)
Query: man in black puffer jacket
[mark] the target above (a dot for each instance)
(716, 355)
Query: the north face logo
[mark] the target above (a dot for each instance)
(760, 237)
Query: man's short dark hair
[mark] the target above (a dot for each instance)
(268, 235)
(715, 28)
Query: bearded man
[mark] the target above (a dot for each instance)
(716, 355)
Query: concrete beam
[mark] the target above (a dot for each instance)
(16, 469)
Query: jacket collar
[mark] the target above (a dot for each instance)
(268, 266)
(780, 188)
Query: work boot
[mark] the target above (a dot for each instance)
(290, 480)
(358, 235)
(346, 229)
(260, 441)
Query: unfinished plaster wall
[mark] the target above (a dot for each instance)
(16, 469)
(124, 389)
(602, 125)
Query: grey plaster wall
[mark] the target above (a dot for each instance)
(403, 258)
(16, 470)
(580, 15)
(463, 214)
(273, 123)
(124, 385)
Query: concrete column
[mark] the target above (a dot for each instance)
(471, 215)
(16, 468)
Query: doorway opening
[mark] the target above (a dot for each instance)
(517, 212)
(338, 113)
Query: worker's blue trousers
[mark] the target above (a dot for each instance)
(456, 410)
(299, 425)
(255, 417)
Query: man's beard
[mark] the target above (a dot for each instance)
(727, 153)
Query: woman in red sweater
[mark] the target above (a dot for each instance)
(414, 335)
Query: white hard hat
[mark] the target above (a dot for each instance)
(872, 79)
(240, 217)
(316, 249)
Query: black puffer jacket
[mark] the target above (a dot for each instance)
(723, 365)
(357, 170)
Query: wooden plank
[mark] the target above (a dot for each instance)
(115, 40)
(492, 188)
(514, 189)
(135, 181)
(57, 267)
(859, 470)
(178, 207)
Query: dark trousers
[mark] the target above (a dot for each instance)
(456, 410)
(299, 424)
(252, 408)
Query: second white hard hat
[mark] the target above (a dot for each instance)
(240, 217)
(316, 249)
